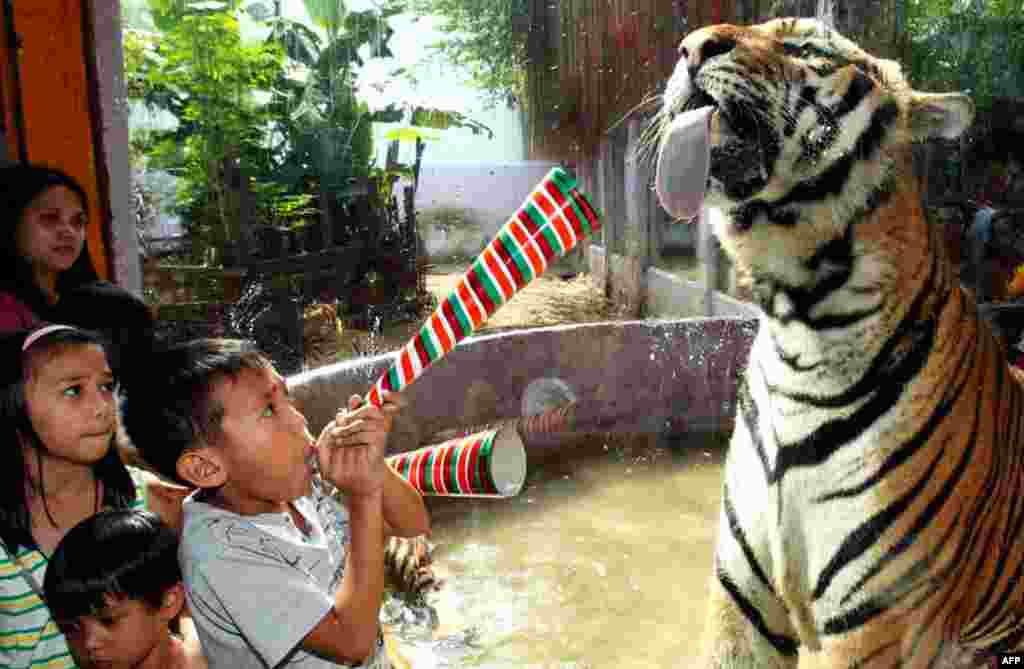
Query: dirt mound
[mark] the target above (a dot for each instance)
(547, 300)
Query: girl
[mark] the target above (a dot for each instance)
(57, 426)
(45, 270)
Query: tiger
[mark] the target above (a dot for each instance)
(873, 489)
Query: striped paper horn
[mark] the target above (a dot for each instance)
(554, 218)
(486, 464)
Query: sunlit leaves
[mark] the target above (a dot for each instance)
(444, 119)
(488, 37)
(967, 45)
(328, 14)
(411, 135)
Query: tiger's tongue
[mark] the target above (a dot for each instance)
(683, 163)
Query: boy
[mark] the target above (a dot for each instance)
(114, 588)
(276, 573)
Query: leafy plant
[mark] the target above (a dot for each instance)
(287, 109)
(973, 46)
(486, 36)
(199, 70)
(320, 125)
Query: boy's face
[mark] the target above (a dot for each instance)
(124, 635)
(265, 443)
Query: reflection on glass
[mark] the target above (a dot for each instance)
(328, 169)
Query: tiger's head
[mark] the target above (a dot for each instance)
(810, 136)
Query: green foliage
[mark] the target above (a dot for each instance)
(279, 208)
(286, 109)
(441, 119)
(167, 14)
(971, 46)
(199, 70)
(320, 124)
(487, 37)
(328, 14)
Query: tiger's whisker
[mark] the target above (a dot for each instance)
(649, 101)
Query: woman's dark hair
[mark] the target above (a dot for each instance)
(16, 427)
(122, 553)
(19, 185)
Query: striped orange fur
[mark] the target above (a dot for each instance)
(873, 497)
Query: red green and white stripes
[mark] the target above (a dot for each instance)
(550, 223)
(456, 467)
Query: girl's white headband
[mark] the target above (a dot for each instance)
(42, 332)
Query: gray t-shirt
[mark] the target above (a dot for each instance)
(256, 585)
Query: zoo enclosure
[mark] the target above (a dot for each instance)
(327, 259)
(608, 61)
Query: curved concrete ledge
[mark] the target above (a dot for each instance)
(669, 296)
(663, 377)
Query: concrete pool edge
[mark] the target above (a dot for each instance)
(662, 376)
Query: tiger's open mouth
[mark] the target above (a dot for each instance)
(741, 150)
(741, 144)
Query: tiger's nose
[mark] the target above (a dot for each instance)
(702, 46)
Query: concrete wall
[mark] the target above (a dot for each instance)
(669, 296)
(480, 196)
(662, 294)
(661, 377)
(493, 188)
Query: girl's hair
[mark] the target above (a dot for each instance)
(16, 426)
(19, 185)
(122, 553)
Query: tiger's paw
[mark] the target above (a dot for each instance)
(408, 562)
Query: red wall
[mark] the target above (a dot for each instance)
(59, 122)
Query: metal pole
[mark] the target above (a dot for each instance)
(709, 254)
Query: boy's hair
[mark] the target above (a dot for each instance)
(16, 365)
(168, 408)
(126, 554)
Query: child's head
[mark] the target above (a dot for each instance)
(218, 416)
(45, 232)
(56, 409)
(114, 586)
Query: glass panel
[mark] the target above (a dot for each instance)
(322, 175)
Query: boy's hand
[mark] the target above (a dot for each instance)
(351, 447)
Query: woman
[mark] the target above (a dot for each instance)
(46, 274)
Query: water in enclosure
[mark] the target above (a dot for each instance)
(601, 561)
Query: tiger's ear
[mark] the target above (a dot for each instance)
(945, 115)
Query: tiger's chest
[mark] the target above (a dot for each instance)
(806, 481)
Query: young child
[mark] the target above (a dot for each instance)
(275, 572)
(117, 607)
(57, 424)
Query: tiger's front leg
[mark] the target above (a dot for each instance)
(408, 562)
(744, 633)
(748, 625)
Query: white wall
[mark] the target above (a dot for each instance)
(485, 194)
